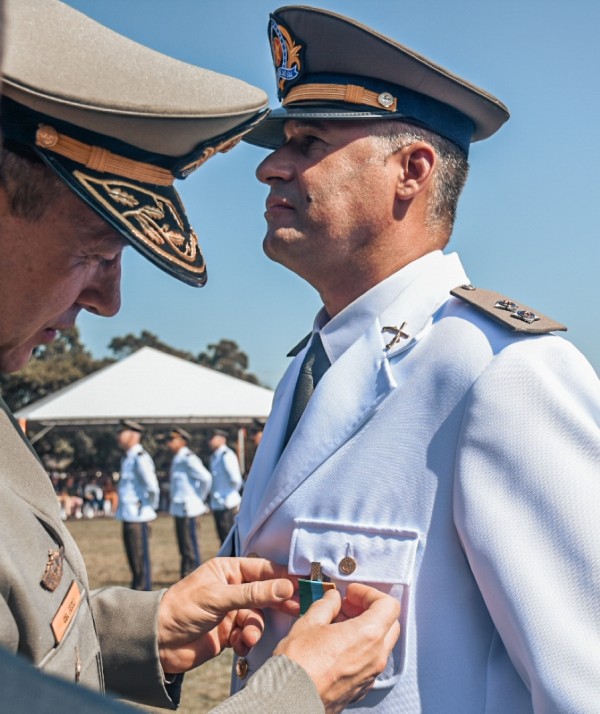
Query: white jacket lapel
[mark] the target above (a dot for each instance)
(346, 396)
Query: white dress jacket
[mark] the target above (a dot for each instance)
(138, 487)
(190, 484)
(459, 470)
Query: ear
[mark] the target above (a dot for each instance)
(416, 164)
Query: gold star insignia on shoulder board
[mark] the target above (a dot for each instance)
(515, 316)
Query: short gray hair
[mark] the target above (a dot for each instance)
(450, 173)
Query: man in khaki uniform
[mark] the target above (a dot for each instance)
(95, 131)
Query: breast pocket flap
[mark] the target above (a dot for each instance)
(353, 553)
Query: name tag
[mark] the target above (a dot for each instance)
(66, 612)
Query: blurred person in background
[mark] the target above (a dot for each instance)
(190, 483)
(138, 501)
(226, 483)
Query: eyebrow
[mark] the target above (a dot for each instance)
(312, 124)
(105, 238)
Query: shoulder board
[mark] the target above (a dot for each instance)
(511, 314)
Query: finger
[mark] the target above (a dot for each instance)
(254, 595)
(237, 643)
(366, 598)
(362, 595)
(240, 570)
(251, 626)
(391, 636)
(325, 610)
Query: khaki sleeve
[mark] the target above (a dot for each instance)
(280, 685)
(126, 621)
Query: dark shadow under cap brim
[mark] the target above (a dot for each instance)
(319, 54)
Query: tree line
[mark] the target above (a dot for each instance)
(67, 360)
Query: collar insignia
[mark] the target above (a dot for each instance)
(287, 56)
(54, 569)
(397, 332)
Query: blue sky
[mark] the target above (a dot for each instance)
(528, 220)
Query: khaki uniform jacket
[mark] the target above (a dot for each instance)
(64, 630)
(95, 641)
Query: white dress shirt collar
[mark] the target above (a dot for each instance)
(341, 331)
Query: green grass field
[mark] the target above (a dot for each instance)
(100, 542)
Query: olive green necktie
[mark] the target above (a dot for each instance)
(314, 366)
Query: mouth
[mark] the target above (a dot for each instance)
(50, 333)
(276, 205)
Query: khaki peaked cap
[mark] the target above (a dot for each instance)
(119, 122)
(331, 67)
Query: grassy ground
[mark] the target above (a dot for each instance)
(100, 542)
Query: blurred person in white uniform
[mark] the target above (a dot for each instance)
(138, 501)
(190, 483)
(227, 481)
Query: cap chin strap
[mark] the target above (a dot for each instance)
(349, 93)
(101, 160)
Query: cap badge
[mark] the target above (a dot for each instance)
(385, 99)
(286, 56)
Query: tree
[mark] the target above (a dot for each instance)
(56, 365)
(66, 360)
(225, 356)
(127, 345)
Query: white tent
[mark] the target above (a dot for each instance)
(153, 388)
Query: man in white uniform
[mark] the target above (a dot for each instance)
(450, 453)
(96, 128)
(227, 481)
(190, 483)
(138, 501)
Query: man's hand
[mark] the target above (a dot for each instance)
(218, 606)
(343, 657)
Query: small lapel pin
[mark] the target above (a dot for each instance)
(398, 333)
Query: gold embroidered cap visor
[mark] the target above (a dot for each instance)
(328, 66)
(129, 187)
(119, 122)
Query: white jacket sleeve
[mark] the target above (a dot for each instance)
(527, 508)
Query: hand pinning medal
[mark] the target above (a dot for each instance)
(313, 589)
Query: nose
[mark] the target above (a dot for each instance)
(277, 165)
(102, 293)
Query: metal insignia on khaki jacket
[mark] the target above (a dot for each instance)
(151, 217)
(54, 569)
(513, 315)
